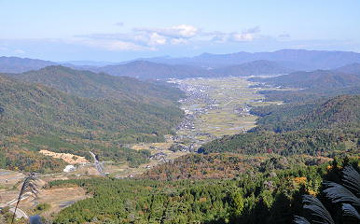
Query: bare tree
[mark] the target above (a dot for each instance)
(28, 186)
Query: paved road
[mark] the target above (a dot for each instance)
(97, 164)
(19, 213)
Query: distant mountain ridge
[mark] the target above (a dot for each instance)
(255, 68)
(17, 65)
(151, 70)
(305, 60)
(206, 65)
(314, 79)
(347, 76)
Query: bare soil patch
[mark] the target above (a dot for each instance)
(67, 157)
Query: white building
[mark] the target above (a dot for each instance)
(69, 168)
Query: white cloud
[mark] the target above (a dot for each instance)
(184, 30)
(239, 37)
(179, 31)
(142, 38)
(151, 38)
(246, 35)
(156, 39)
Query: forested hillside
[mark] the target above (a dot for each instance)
(34, 116)
(311, 142)
(318, 79)
(317, 128)
(229, 163)
(100, 85)
(39, 109)
(269, 197)
(338, 112)
(316, 85)
(307, 95)
(350, 69)
(179, 112)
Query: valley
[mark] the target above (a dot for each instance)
(216, 107)
(210, 143)
(179, 112)
(213, 108)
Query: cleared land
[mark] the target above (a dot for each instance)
(219, 107)
(67, 157)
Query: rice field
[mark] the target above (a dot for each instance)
(228, 97)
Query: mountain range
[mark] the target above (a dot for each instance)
(205, 65)
(291, 58)
(254, 68)
(342, 77)
(65, 110)
(17, 65)
(151, 70)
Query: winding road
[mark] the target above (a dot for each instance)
(19, 213)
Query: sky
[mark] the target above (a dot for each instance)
(120, 30)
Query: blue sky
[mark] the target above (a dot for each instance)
(110, 30)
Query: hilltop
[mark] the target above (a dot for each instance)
(350, 69)
(315, 79)
(337, 112)
(36, 115)
(99, 85)
(254, 68)
(151, 70)
(17, 65)
(296, 59)
(39, 109)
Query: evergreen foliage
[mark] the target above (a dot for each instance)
(71, 111)
(250, 198)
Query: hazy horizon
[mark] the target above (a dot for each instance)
(104, 62)
(121, 31)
